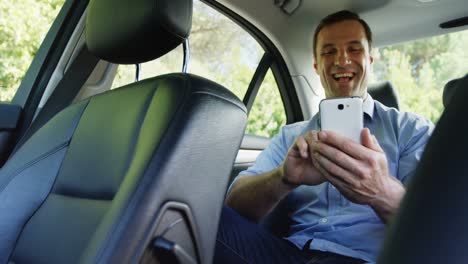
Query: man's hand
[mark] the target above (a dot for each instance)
(254, 197)
(359, 172)
(298, 167)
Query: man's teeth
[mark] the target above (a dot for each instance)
(343, 75)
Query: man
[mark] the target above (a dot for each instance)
(339, 194)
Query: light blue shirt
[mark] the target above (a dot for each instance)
(320, 212)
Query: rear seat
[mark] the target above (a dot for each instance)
(385, 93)
(449, 90)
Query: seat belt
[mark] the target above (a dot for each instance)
(64, 93)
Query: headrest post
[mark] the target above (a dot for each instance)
(186, 45)
(137, 72)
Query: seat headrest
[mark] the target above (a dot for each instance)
(449, 90)
(385, 93)
(136, 31)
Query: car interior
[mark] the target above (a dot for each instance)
(92, 173)
(129, 191)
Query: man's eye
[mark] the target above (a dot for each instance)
(355, 49)
(328, 52)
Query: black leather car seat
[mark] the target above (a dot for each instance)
(449, 91)
(385, 93)
(136, 174)
(431, 226)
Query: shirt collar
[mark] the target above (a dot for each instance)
(368, 106)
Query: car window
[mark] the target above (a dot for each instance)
(222, 51)
(267, 114)
(420, 69)
(170, 62)
(23, 26)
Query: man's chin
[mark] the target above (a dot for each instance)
(351, 90)
(346, 90)
(343, 89)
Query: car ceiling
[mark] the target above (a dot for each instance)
(392, 21)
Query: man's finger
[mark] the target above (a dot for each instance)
(369, 140)
(335, 181)
(376, 144)
(311, 139)
(345, 144)
(366, 138)
(334, 171)
(342, 186)
(338, 157)
(302, 147)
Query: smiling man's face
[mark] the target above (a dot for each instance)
(343, 59)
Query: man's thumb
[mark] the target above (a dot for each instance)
(369, 140)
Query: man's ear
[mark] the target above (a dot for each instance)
(371, 59)
(315, 66)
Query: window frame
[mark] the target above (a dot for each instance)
(256, 81)
(44, 63)
(278, 66)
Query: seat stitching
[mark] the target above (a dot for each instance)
(33, 162)
(239, 105)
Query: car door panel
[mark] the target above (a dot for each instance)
(251, 147)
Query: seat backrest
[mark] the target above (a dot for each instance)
(431, 226)
(449, 90)
(131, 175)
(385, 93)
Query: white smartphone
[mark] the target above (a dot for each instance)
(343, 115)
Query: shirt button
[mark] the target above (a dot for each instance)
(323, 220)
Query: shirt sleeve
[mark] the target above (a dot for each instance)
(271, 157)
(416, 131)
(274, 154)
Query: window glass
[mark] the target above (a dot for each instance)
(221, 50)
(170, 62)
(267, 114)
(420, 69)
(23, 26)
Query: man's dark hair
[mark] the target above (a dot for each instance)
(339, 17)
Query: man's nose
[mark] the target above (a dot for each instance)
(342, 59)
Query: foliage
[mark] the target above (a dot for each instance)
(224, 52)
(267, 114)
(420, 69)
(20, 37)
